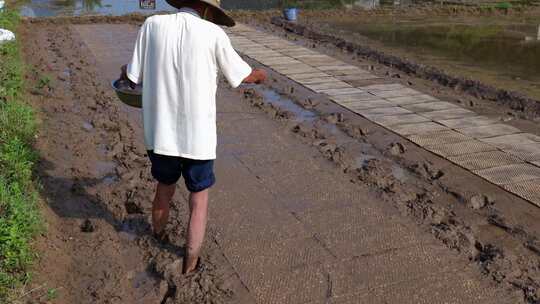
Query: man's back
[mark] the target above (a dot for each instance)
(177, 57)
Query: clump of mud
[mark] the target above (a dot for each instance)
(201, 287)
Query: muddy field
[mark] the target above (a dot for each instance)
(97, 187)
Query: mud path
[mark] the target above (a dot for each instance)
(314, 203)
(97, 189)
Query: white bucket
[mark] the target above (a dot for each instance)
(6, 36)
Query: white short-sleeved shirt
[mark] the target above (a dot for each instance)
(177, 58)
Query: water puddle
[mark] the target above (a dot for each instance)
(144, 279)
(109, 179)
(104, 168)
(130, 229)
(400, 174)
(286, 104)
(145, 286)
(128, 236)
(363, 160)
(50, 8)
(88, 126)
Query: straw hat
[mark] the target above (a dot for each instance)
(220, 16)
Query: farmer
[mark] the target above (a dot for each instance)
(177, 58)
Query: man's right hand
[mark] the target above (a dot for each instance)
(256, 76)
(123, 72)
(123, 76)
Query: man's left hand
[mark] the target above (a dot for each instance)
(256, 76)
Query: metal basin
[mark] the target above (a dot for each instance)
(129, 96)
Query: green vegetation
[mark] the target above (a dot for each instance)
(19, 215)
(44, 82)
(503, 6)
(315, 4)
(52, 294)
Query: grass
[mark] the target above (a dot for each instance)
(44, 82)
(52, 293)
(315, 4)
(19, 213)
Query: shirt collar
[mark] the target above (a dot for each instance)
(189, 11)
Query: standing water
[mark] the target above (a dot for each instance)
(49, 8)
(501, 51)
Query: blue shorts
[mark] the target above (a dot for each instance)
(198, 174)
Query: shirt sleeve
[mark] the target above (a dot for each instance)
(231, 64)
(136, 66)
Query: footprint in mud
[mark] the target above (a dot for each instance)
(148, 288)
(133, 208)
(427, 171)
(306, 131)
(354, 131)
(334, 118)
(309, 104)
(88, 126)
(479, 201)
(199, 287)
(87, 226)
(396, 149)
(432, 173)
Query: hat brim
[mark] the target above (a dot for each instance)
(220, 16)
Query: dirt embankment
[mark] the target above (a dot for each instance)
(97, 191)
(431, 9)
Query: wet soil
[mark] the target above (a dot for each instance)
(496, 230)
(96, 185)
(97, 191)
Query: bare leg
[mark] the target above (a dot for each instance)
(198, 206)
(160, 206)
